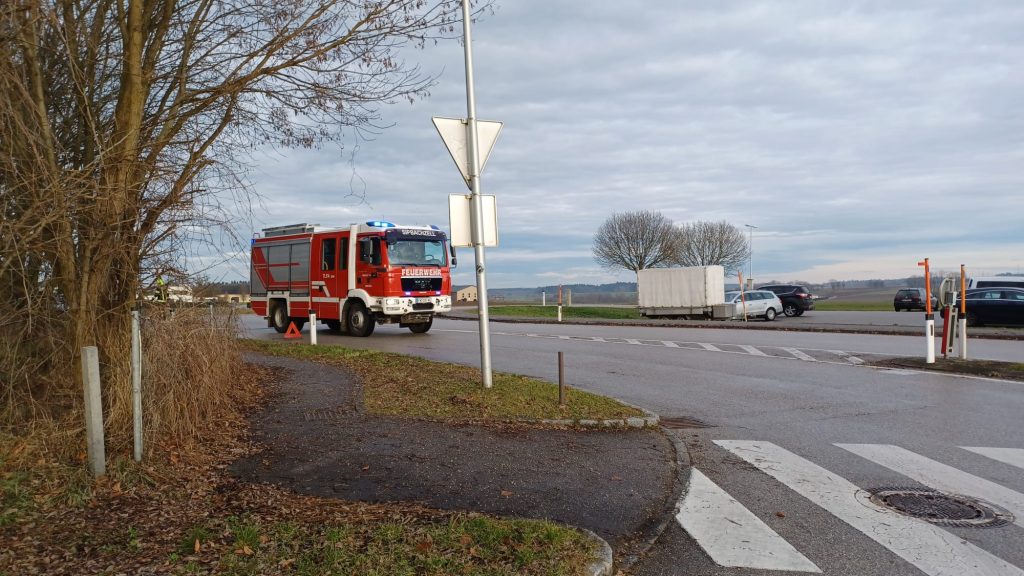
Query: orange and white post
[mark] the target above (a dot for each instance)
(962, 318)
(929, 316)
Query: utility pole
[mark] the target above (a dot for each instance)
(750, 255)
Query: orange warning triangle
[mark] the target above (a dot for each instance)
(293, 331)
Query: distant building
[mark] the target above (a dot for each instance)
(467, 294)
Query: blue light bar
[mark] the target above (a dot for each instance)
(380, 224)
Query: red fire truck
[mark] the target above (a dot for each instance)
(353, 278)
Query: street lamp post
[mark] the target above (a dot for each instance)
(750, 255)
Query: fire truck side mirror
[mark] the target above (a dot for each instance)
(455, 261)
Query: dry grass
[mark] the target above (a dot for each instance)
(401, 385)
(191, 386)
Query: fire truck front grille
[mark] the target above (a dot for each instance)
(421, 284)
(422, 306)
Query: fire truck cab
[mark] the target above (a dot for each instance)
(352, 278)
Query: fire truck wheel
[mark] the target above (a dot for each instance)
(421, 328)
(359, 321)
(279, 317)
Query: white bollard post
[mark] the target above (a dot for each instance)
(963, 337)
(312, 328)
(137, 384)
(93, 411)
(929, 334)
(559, 312)
(543, 298)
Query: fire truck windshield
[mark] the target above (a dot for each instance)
(416, 253)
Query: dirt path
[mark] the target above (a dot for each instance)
(317, 441)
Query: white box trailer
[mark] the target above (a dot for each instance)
(693, 292)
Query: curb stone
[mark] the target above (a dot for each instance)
(604, 563)
(649, 420)
(682, 463)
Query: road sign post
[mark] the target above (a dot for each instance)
(465, 146)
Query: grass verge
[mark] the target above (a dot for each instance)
(984, 368)
(600, 312)
(852, 306)
(399, 385)
(180, 512)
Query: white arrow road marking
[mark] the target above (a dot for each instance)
(799, 355)
(731, 534)
(930, 548)
(1011, 456)
(940, 476)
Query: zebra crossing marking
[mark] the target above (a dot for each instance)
(745, 349)
(1011, 456)
(931, 549)
(751, 350)
(732, 535)
(940, 476)
(846, 356)
(800, 355)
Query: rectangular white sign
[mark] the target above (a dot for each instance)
(459, 220)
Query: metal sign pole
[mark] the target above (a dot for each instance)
(476, 205)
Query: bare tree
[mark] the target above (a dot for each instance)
(635, 241)
(703, 243)
(126, 123)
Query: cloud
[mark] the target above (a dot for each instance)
(858, 137)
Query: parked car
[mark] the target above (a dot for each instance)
(912, 299)
(795, 299)
(995, 306)
(759, 304)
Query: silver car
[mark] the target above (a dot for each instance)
(757, 303)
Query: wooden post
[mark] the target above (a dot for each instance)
(561, 379)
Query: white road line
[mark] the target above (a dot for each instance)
(751, 350)
(669, 344)
(1011, 456)
(846, 356)
(799, 355)
(632, 341)
(940, 476)
(730, 534)
(709, 347)
(931, 549)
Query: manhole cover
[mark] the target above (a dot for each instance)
(952, 510)
(682, 423)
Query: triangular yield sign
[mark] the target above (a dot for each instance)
(453, 134)
(293, 331)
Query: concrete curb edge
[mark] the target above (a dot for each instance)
(649, 420)
(604, 563)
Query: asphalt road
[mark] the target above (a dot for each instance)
(795, 426)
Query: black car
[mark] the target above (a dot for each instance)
(995, 306)
(796, 299)
(912, 299)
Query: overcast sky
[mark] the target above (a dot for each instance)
(859, 137)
